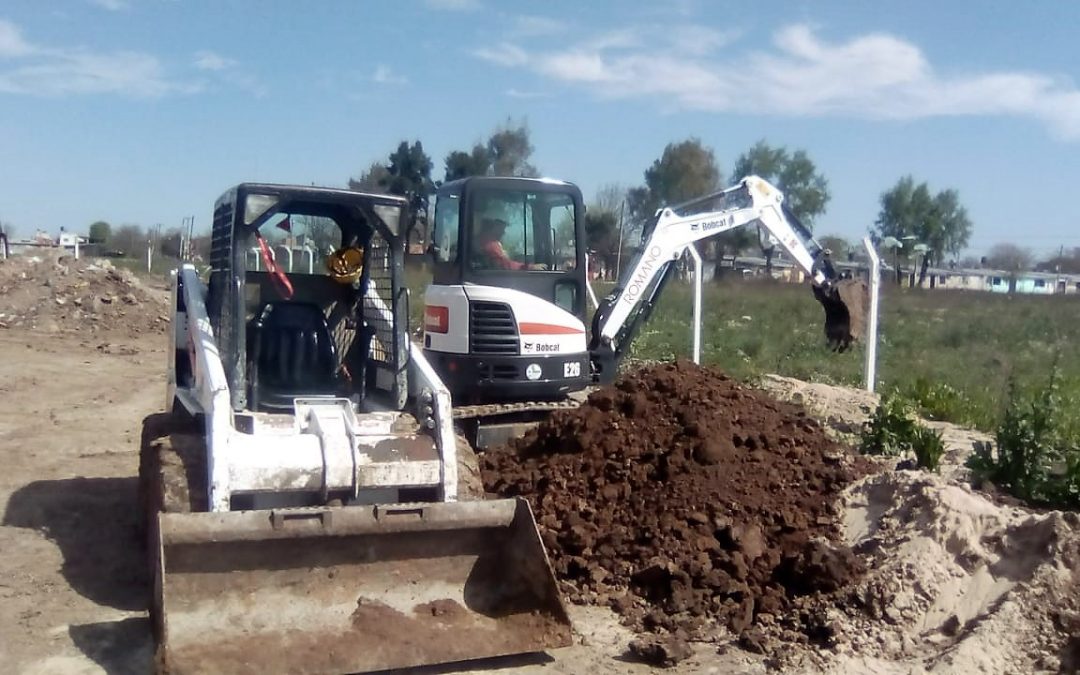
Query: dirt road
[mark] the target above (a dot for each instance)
(72, 585)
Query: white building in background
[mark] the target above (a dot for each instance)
(43, 242)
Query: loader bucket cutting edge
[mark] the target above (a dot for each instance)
(845, 312)
(354, 589)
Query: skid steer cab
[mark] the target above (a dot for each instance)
(505, 314)
(305, 508)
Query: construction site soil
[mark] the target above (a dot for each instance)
(676, 479)
(684, 500)
(55, 292)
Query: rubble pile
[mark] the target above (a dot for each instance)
(59, 294)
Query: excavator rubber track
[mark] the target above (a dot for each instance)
(336, 589)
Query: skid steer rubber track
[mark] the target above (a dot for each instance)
(337, 589)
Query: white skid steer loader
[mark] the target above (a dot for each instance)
(301, 489)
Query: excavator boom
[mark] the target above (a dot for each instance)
(753, 201)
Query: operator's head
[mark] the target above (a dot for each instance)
(492, 228)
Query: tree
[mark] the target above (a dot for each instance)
(806, 192)
(460, 164)
(939, 221)
(610, 197)
(510, 149)
(170, 242)
(99, 232)
(602, 233)
(1062, 263)
(506, 153)
(602, 222)
(1009, 257)
(372, 179)
(686, 169)
(130, 240)
(409, 175)
(839, 246)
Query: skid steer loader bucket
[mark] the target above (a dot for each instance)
(353, 589)
(845, 304)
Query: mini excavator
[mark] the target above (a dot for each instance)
(505, 318)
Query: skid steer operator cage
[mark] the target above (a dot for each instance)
(374, 305)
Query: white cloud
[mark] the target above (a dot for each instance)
(454, 5)
(533, 26)
(384, 75)
(111, 5)
(228, 72)
(517, 93)
(26, 68)
(697, 40)
(128, 73)
(208, 60)
(503, 54)
(12, 43)
(874, 76)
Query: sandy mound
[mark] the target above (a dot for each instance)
(683, 499)
(59, 293)
(956, 583)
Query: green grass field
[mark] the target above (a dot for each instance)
(954, 352)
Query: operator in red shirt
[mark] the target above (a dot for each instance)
(489, 243)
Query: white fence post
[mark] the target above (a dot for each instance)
(311, 259)
(692, 251)
(872, 318)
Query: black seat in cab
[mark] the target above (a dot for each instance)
(292, 355)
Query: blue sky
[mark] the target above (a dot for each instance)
(144, 111)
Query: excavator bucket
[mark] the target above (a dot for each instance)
(845, 304)
(353, 589)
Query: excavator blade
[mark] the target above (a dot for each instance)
(353, 589)
(845, 306)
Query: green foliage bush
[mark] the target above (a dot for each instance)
(894, 431)
(937, 400)
(1037, 454)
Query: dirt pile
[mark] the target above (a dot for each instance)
(682, 499)
(58, 293)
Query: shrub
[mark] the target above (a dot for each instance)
(940, 401)
(894, 431)
(1037, 457)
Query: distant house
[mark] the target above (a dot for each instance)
(937, 278)
(43, 242)
(999, 281)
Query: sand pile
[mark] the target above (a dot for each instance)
(955, 583)
(59, 293)
(684, 500)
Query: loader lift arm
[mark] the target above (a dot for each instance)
(753, 201)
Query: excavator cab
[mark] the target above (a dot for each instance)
(307, 504)
(505, 314)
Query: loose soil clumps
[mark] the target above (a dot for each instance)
(57, 293)
(682, 499)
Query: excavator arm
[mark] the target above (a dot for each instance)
(753, 201)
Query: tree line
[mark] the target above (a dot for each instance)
(685, 170)
(931, 228)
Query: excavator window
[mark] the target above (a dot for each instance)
(522, 230)
(447, 215)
